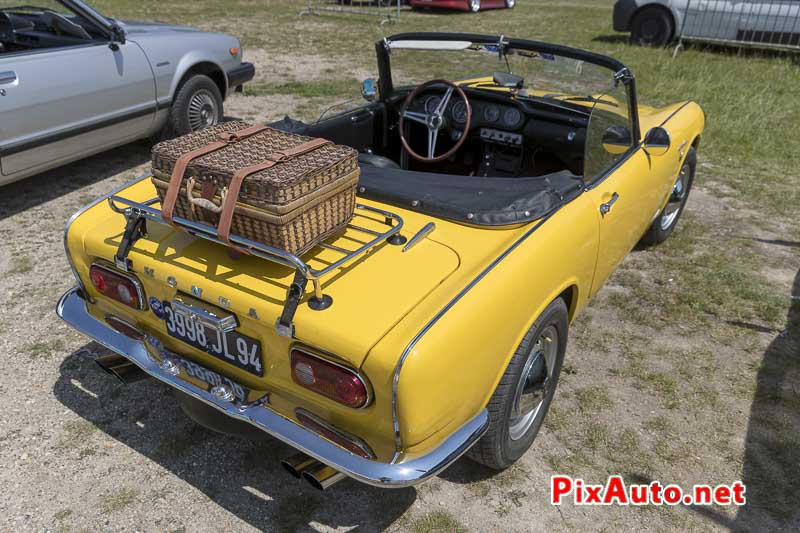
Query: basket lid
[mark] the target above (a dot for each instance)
(280, 183)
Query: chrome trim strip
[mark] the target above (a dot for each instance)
(81, 211)
(426, 230)
(435, 319)
(72, 308)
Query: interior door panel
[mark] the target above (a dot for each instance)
(360, 128)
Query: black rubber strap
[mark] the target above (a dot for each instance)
(293, 297)
(134, 229)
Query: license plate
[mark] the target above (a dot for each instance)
(232, 347)
(211, 379)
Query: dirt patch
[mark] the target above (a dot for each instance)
(287, 67)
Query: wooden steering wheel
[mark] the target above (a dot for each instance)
(434, 120)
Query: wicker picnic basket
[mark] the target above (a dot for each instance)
(280, 189)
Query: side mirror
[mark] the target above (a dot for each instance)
(617, 140)
(508, 80)
(657, 141)
(117, 37)
(369, 90)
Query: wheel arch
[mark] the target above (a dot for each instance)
(204, 67)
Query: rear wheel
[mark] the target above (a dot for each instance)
(197, 105)
(652, 26)
(474, 5)
(665, 222)
(511, 3)
(523, 396)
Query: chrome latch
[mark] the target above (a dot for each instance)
(206, 317)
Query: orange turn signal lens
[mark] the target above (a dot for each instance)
(234, 51)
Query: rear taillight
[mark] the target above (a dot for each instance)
(331, 380)
(117, 286)
(348, 442)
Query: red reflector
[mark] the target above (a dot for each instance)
(352, 444)
(331, 380)
(125, 328)
(117, 286)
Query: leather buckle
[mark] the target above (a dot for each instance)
(278, 157)
(229, 137)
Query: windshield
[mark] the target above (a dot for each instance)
(543, 75)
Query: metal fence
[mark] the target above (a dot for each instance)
(388, 10)
(743, 23)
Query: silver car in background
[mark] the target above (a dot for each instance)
(74, 82)
(758, 23)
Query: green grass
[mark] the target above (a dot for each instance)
(437, 522)
(44, 349)
(20, 264)
(118, 499)
(309, 89)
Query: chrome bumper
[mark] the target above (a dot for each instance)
(413, 470)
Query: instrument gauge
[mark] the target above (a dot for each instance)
(491, 113)
(431, 103)
(459, 112)
(512, 117)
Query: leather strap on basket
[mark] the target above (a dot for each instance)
(225, 138)
(229, 206)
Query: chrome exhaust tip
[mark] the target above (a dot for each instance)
(297, 463)
(121, 368)
(322, 476)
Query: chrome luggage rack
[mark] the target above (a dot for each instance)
(136, 213)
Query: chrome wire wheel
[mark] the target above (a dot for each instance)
(474, 5)
(534, 383)
(510, 3)
(676, 198)
(203, 111)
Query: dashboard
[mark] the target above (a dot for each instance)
(509, 136)
(487, 114)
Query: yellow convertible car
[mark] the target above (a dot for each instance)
(502, 181)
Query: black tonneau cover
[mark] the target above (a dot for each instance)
(475, 200)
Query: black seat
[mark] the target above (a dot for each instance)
(375, 160)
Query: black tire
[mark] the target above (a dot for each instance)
(664, 224)
(652, 26)
(497, 449)
(198, 86)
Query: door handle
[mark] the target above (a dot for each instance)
(8, 78)
(605, 208)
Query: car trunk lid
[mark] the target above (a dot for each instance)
(370, 294)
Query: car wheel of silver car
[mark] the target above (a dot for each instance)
(474, 5)
(652, 26)
(197, 105)
(667, 219)
(523, 396)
